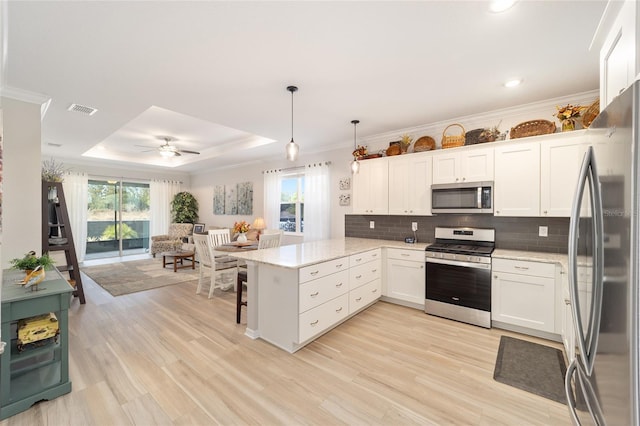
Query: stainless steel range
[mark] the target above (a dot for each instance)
(458, 281)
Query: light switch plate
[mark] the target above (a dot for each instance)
(372, 224)
(543, 231)
(414, 226)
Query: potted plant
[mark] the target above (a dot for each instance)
(53, 171)
(30, 261)
(184, 208)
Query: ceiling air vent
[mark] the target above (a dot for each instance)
(83, 109)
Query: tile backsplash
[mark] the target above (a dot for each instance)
(513, 233)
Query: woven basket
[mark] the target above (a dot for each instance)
(425, 143)
(472, 137)
(532, 128)
(591, 113)
(449, 141)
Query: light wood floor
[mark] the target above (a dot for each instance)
(170, 357)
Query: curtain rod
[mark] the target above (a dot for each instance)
(289, 169)
(123, 178)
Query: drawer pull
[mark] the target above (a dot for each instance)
(358, 259)
(339, 309)
(314, 272)
(523, 268)
(358, 277)
(358, 299)
(314, 294)
(374, 255)
(374, 290)
(339, 265)
(457, 299)
(405, 254)
(313, 324)
(339, 285)
(374, 270)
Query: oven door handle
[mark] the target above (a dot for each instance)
(459, 263)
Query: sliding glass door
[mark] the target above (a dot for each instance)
(118, 218)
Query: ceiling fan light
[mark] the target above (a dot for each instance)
(292, 151)
(166, 153)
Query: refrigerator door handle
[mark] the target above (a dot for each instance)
(587, 342)
(571, 402)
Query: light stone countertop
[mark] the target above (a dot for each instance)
(299, 255)
(537, 256)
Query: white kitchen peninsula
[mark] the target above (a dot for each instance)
(298, 292)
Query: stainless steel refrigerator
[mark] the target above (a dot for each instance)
(602, 381)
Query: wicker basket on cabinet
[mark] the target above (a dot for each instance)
(452, 141)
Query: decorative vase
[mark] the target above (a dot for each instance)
(242, 238)
(568, 124)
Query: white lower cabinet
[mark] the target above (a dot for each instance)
(523, 293)
(364, 295)
(405, 277)
(320, 318)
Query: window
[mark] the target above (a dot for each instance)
(292, 203)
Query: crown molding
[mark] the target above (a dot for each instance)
(26, 96)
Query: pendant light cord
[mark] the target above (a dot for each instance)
(292, 115)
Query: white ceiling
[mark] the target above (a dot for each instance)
(213, 75)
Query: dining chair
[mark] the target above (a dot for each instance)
(266, 241)
(218, 268)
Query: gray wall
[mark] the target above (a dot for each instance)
(514, 233)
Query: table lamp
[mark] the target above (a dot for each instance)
(258, 225)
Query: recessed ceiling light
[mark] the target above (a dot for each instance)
(513, 83)
(498, 6)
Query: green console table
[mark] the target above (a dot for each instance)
(39, 373)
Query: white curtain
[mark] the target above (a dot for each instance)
(76, 194)
(161, 192)
(271, 209)
(317, 217)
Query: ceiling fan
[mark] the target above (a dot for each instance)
(168, 150)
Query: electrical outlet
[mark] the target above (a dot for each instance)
(543, 231)
(414, 226)
(372, 224)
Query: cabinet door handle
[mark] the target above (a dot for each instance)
(314, 294)
(358, 299)
(497, 211)
(405, 254)
(313, 324)
(545, 212)
(358, 259)
(457, 299)
(374, 271)
(339, 285)
(522, 268)
(339, 265)
(314, 273)
(339, 309)
(358, 277)
(374, 290)
(374, 255)
(463, 179)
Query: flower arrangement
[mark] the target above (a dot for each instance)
(360, 151)
(405, 141)
(53, 171)
(241, 227)
(569, 111)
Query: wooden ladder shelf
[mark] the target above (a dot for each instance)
(56, 233)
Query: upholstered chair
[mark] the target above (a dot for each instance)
(178, 234)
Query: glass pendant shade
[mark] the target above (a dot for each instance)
(355, 166)
(292, 151)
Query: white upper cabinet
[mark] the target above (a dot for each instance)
(618, 52)
(559, 169)
(371, 187)
(410, 184)
(463, 165)
(517, 180)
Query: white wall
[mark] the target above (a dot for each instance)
(22, 188)
(202, 187)
(96, 169)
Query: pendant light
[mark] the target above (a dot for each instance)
(292, 147)
(355, 165)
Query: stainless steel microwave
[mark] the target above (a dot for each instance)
(466, 197)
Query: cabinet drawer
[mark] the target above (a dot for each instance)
(363, 295)
(320, 318)
(538, 269)
(362, 274)
(323, 269)
(316, 292)
(367, 256)
(403, 254)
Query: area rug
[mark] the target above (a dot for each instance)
(531, 367)
(137, 275)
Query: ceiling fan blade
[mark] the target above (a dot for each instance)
(189, 152)
(146, 146)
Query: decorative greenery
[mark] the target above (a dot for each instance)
(30, 261)
(184, 208)
(569, 111)
(241, 227)
(53, 171)
(405, 141)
